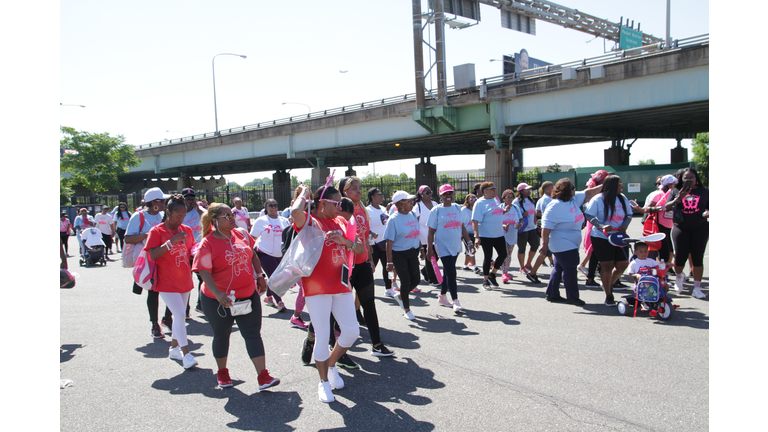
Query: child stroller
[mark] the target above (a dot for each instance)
(94, 248)
(649, 295)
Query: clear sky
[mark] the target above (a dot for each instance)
(143, 69)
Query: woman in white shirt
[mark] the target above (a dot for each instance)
(268, 233)
(422, 206)
(379, 217)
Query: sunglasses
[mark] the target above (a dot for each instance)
(228, 216)
(473, 199)
(338, 203)
(271, 205)
(427, 192)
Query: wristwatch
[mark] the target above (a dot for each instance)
(262, 274)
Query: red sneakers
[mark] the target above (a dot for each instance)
(266, 381)
(223, 377)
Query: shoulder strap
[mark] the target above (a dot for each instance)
(141, 225)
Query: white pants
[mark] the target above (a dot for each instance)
(177, 303)
(343, 308)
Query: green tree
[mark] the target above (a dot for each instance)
(100, 160)
(700, 146)
(531, 177)
(554, 168)
(64, 191)
(647, 162)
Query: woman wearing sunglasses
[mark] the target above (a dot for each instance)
(226, 262)
(328, 290)
(268, 233)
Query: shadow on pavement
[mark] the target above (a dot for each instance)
(359, 402)
(436, 323)
(68, 352)
(158, 348)
(265, 410)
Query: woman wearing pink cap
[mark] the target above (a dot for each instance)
(446, 230)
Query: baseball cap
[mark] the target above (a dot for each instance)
(522, 186)
(599, 176)
(153, 194)
(668, 179)
(401, 195)
(188, 192)
(445, 188)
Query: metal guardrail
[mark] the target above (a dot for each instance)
(537, 73)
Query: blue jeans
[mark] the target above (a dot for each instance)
(565, 270)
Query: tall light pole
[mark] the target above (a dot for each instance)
(213, 66)
(309, 110)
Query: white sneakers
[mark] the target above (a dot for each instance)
(324, 392)
(442, 299)
(334, 379)
(391, 293)
(457, 306)
(409, 316)
(188, 361)
(698, 293)
(175, 353)
(679, 283)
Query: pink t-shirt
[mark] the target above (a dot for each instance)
(326, 278)
(362, 227)
(230, 263)
(173, 271)
(665, 217)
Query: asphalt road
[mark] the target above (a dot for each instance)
(512, 362)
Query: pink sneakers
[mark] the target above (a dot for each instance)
(506, 278)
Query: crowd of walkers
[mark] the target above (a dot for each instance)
(233, 259)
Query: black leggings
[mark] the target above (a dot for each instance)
(362, 282)
(489, 244)
(380, 259)
(107, 241)
(407, 266)
(65, 241)
(690, 241)
(120, 238)
(249, 326)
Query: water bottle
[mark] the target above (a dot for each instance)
(231, 296)
(662, 273)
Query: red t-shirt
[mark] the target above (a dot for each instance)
(230, 264)
(363, 227)
(173, 272)
(326, 278)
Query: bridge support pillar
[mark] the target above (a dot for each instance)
(500, 169)
(426, 174)
(616, 155)
(350, 172)
(678, 154)
(281, 186)
(318, 177)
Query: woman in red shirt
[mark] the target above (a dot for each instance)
(227, 265)
(168, 244)
(328, 288)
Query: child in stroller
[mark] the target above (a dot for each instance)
(94, 248)
(650, 283)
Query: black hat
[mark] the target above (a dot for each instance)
(188, 192)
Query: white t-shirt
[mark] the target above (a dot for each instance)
(422, 212)
(637, 264)
(104, 223)
(92, 237)
(269, 233)
(241, 217)
(379, 218)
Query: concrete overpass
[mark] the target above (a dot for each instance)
(645, 93)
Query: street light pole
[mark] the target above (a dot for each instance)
(213, 67)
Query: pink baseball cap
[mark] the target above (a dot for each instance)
(599, 175)
(522, 186)
(445, 188)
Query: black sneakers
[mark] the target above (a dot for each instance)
(575, 302)
(380, 351)
(306, 350)
(591, 284)
(532, 277)
(346, 362)
(557, 299)
(487, 285)
(609, 301)
(492, 279)
(156, 332)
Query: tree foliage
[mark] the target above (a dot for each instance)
(100, 160)
(700, 146)
(554, 168)
(647, 162)
(531, 177)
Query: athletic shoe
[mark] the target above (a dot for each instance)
(298, 322)
(466, 267)
(478, 270)
(400, 302)
(416, 290)
(556, 299)
(591, 284)
(306, 350)
(346, 361)
(156, 332)
(175, 353)
(487, 285)
(619, 286)
(609, 301)
(280, 306)
(360, 318)
(457, 306)
(324, 392)
(167, 322)
(506, 278)
(222, 376)
(575, 302)
(424, 274)
(492, 279)
(335, 379)
(269, 302)
(442, 299)
(583, 270)
(409, 316)
(391, 293)
(698, 293)
(679, 283)
(395, 287)
(188, 361)
(533, 278)
(266, 381)
(526, 269)
(381, 351)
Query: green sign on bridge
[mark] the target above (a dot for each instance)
(629, 38)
